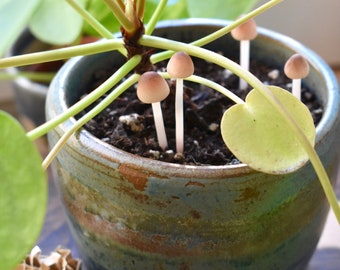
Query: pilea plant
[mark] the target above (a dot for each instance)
(254, 128)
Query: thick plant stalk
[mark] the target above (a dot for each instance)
(120, 15)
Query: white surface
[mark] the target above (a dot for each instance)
(315, 23)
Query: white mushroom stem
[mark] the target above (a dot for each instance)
(180, 66)
(296, 68)
(244, 60)
(152, 88)
(179, 116)
(296, 88)
(245, 33)
(159, 124)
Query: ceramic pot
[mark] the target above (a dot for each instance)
(128, 212)
(30, 96)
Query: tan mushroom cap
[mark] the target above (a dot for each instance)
(296, 67)
(180, 66)
(152, 87)
(245, 31)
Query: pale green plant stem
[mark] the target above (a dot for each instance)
(155, 17)
(121, 4)
(120, 15)
(36, 76)
(221, 32)
(220, 60)
(87, 100)
(210, 84)
(140, 9)
(216, 86)
(95, 24)
(60, 54)
(88, 116)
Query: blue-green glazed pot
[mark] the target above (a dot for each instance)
(128, 212)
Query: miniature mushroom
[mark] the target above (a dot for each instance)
(152, 88)
(180, 66)
(244, 33)
(296, 68)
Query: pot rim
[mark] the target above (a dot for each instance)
(90, 143)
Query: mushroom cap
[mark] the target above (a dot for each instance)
(245, 31)
(296, 67)
(180, 65)
(152, 87)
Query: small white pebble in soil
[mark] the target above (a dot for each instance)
(154, 153)
(318, 111)
(227, 73)
(196, 143)
(289, 85)
(169, 152)
(133, 121)
(213, 127)
(274, 74)
(106, 139)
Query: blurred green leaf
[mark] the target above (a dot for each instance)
(103, 14)
(14, 16)
(173, 10)
(257, 135)
(23, 192)
(56, 22)
(219, 9)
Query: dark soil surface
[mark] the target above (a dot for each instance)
(203, 111)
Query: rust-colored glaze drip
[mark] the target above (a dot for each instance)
(139, 179)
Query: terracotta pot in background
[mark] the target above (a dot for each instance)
(128, 212)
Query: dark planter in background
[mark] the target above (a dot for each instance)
(30, 96)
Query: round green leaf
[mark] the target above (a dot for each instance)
(23, 193)
(56, 22)
(258, 135)
(14, 16)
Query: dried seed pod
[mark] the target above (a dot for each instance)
(180, 66)
(152, 87)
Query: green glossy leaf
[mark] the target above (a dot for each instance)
(258, 135)
(23, 192)
(221, 9)
(56, 22)
(14, 16)
(173, 10)
(103, 14)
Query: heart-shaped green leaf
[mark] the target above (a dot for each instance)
(23, 193)
(258, 135)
